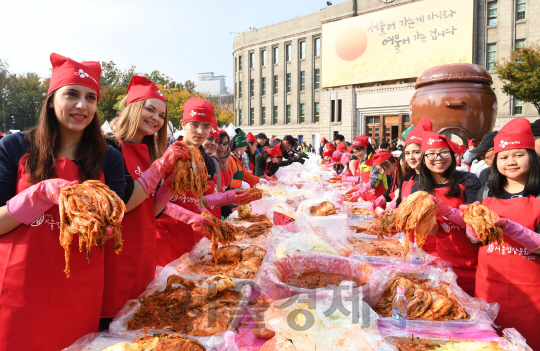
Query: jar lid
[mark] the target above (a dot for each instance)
(401, 290)
(455, 72)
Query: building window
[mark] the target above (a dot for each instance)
(333, 111)
(317, 47)
(374, 120)
(263, 115)
(235, 89)
(275, 56)
(492, 13)
(520, 43)
(240, 117)
(251, 60)
(236, 64)
(251, 116)
(302, 80)
(289, 83)
(491, 56)
(275, 84)
(302, 50)
(288, 51)
(240, 89)
(239, 63)
(263, 86)
(339, 110)
(288, 115)
(316, 113)
(521, 6)
(275, 115)
(302, 113)
(317, 78)
(263, 58)
(518, 106)
(251, 87)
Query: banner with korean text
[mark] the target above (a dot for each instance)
(397, 43)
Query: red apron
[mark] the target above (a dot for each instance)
(512, 277)
(454, 246)
(374, 193)
(175, 238)
(430, 246)
(41, 309)
(250, 167)
(128, 274)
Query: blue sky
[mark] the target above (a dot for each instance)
(179, 38)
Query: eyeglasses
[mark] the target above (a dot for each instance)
(432, 156)
(205, 127)
(223, 144)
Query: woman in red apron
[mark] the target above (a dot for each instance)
(144, 114)
(510, 275)
(374, 182)
(361, 150)
(412, 152)
(40, 308)
(181, 227)
(438, 176)
(250, 151)
(268, 162)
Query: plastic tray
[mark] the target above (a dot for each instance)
(414, 256)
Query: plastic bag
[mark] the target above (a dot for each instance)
(364, 248)
(99, 341)
(323, 321)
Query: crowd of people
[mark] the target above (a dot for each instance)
(136, 162)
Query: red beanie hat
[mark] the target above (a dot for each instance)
(142, 88)
(349, 149)
(198, 110)
(361, 140)
(379, 158)
(330, 146)
(516, 134)
(342, 147)
(66, 71)
(323, 141)
(415, 135)
(432, 140)
(275, 151)
(250, 138)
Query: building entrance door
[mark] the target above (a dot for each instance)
(386, 128)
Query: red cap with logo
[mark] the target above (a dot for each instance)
(415, 135)
(516, 134)
(142, 88)
(250, 138)
(66, 71)
(379, 158)
(214, 133)
(329, 146)
(275, 151)
(198, 110)
(361, 140)
(432, 140)
(342, 147)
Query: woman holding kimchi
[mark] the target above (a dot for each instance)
(144, 114)
(41, 309)
(181, 227)
(450, 189)
(510, 275)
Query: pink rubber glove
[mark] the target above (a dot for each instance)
(270, 179)
(34, 201)
(354, 189)
(353, 180)
(450, 213)
(192, 219)
(363, 189)
(163, 165)
(346, 183)
(391, 205)
(469, 230)
(164, 194)
(529, 239)
(234, 197)
(378, 202)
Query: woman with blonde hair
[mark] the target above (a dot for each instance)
(146, 160)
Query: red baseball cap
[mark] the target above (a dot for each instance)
(516, 134)
(66, 71)
(275, 151)
(198, 110)
(432, 140)
(142, 88)
(415, 135)
(349, 149)
(361, 140)
(342, 147)
(379, 158)
(250, 138)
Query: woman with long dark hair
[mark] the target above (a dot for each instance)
(267, 162)
(510, 275)
(41, 309)
(450, 189)
(147, 160)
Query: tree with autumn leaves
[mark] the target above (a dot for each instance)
(520, 74)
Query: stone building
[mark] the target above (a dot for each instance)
(210, 84)
(278, 73)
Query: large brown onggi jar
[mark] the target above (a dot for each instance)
(458, 99)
